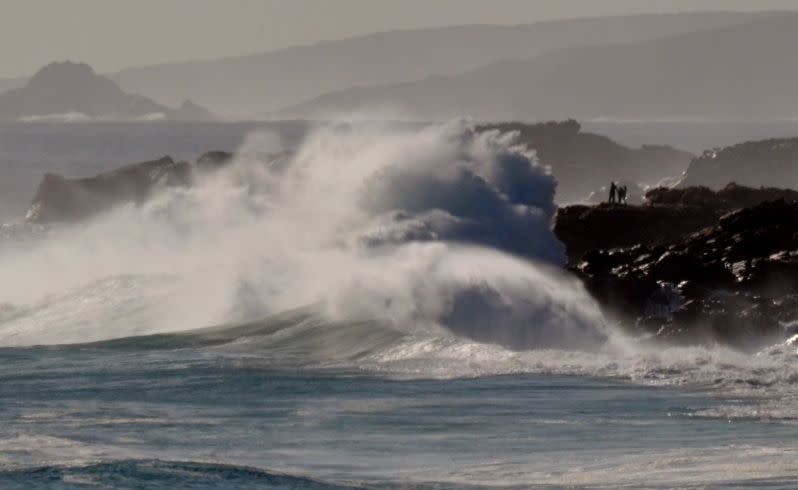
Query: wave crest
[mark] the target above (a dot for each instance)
(371, 223)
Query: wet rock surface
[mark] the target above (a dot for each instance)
(583, 228)
(734, 281)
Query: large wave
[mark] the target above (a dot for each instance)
(414, 251)
(427, 229)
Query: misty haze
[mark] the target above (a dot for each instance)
(418, 244)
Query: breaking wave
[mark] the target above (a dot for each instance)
(419, 252)
(421, 229)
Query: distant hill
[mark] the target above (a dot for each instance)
(740, 72)
(74, 90)
(771, 162)
(269, 81)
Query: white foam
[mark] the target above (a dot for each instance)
(413, 227)
(365, 221)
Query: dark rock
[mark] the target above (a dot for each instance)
(214, 159)
(734, 282)
(677, 266)
(59, 199)
(731, 197)
(583, 228)
(670, 215)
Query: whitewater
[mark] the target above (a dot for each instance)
(380, 306)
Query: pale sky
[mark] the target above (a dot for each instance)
(113, 34)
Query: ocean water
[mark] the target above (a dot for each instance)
(264, 410)
(386, 309)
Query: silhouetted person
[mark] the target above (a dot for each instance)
(622, 194)
(613, 191)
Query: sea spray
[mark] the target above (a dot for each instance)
(414, 251)
(435, 227)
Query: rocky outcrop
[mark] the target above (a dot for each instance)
(74, 90)
(584, 228)
(214, 159)
(59, 199)
(692, 265)
(772, 162)
(584, 162)
(735, 281)
(189, 111)
(731, 197)
(667, 216)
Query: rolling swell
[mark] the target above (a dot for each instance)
(300, 335)
(134, 473)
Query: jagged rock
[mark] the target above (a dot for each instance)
(670, 215)
(64, 200)
(214, 159)
(59, 199)
(734, 282)
(606, 226)
(677, 266)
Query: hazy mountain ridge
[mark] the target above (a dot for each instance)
(265, 82)
(732, 72)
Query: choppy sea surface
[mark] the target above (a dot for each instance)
(137, 414)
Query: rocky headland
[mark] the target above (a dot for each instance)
(692, 265)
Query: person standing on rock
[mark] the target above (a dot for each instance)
(613, 190)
